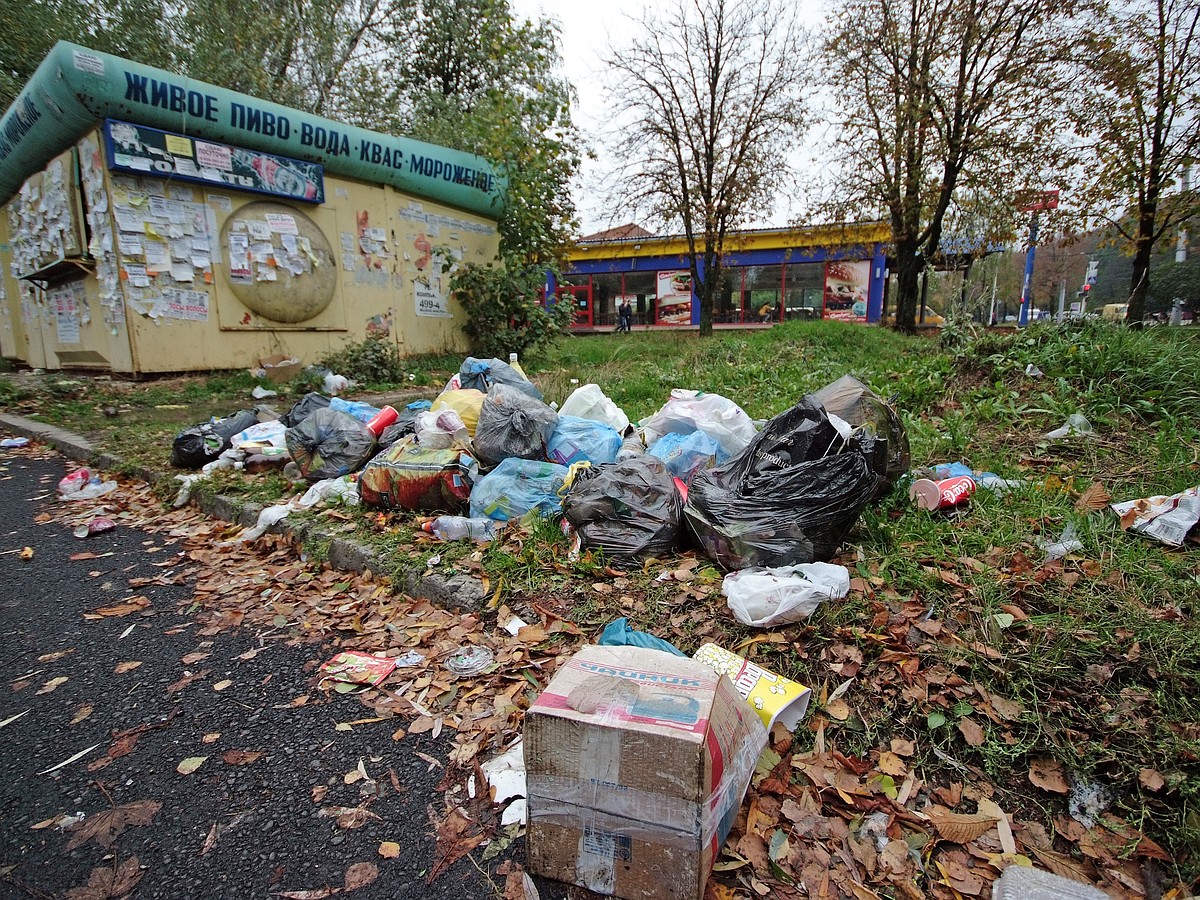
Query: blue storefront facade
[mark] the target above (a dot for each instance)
(770, 275)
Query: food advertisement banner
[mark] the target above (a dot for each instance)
(847, 284)
(148, 151)
(674, 298)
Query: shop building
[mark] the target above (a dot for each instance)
(771, 275)
(154, 223)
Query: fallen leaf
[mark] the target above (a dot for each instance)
(348, 817)
(389, 849)
(1048, 775)
(190, 659)
(211, 737)
(318, 792)
(125, 667)
(902, 747)
(972, 732)
(311, 893)
(519, 886)
(960, 828)
(190, 765)
(211, 840)
(222, 684)
(891, 764)
(1151, 779)
(107, 882)
(26, 553)
(241, 757)
(838, 709)
(1095, 497)
(56, 655)
(360, 874)
(124, 608)
(52, 684)
(104, 826)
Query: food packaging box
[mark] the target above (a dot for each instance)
(773, 697)
(280, 369)
(636, 764)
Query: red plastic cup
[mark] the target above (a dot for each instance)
(942, 494)
(385, 417)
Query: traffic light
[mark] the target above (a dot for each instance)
(1087, 287)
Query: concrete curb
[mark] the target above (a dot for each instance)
(459, 592)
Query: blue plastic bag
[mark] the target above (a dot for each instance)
(364, 412)
(687, 454)
(617, 633)
(582, 440)
(517, 486)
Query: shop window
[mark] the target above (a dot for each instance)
(803, 294)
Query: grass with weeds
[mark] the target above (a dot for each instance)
(1094, 658)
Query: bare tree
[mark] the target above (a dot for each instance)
(934, 98)
(710, 102)
(1140, 118)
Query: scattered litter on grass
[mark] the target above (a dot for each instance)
(1066, 544)
(1076, 425)
(1168, 519)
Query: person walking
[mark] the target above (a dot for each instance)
(625, 316)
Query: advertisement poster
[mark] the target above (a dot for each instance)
(65, 301)
(674, 298)
(148, 151)
(846, 286)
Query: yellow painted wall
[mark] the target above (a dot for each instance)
(369, 248)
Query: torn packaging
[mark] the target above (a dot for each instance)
(636, 763)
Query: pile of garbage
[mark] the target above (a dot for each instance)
(776, 494)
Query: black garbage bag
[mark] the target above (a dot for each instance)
(627, 509)
(483, 374)
(203, 443)
(303, 408)
(790, 497)
(851, 400)
(512, 423)
(329, 443)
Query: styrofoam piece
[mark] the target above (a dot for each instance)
(1024, 883)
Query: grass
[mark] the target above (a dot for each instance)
(1100, 650)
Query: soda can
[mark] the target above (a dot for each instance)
(942, 494)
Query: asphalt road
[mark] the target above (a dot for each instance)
(239, 826)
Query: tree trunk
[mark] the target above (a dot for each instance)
(908, 272)
(1139, 285)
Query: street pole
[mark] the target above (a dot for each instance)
(1062, 299)
(1027, 289)
(992, 312)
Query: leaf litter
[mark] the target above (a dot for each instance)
(854, 825)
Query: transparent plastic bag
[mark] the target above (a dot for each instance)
(851, 400)
(718, 417)
(329, 444)
(517, 487)
(589, 402)
(776, 596)
(485, 374)
(686, 454)
(577, 440)
(513, 423)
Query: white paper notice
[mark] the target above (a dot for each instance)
(282, 223)
(430, 302)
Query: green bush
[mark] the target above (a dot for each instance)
(373, 361)
(504, 313)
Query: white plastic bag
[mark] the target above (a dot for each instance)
(777, 596)
(718, 417)
(335, 384)
(589, 402)
(441, 430)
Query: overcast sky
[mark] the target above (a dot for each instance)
(588, 28)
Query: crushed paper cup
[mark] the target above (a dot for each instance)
(773, 697)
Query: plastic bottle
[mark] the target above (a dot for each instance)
(455, 528)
